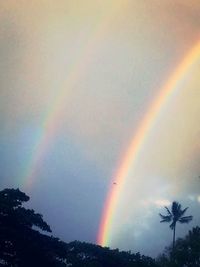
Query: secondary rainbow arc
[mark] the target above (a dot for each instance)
(51, 120)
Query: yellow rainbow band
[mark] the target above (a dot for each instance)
(138, 140)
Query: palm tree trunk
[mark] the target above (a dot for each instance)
(174, 236)
(172, 256)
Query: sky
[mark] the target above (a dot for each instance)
(77, 78)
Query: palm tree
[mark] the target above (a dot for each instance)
(176, 214)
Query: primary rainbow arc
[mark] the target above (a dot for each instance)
(128, 161)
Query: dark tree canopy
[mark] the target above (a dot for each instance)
(23, 243)
(185, 253)
(81, 254)
(11, 210)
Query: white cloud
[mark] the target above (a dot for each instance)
(162, 202)
(191, 197)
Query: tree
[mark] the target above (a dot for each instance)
(176, 214)
(186, 252)
(22, 242)
(81, 254)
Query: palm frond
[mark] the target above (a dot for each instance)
(175, 214)
(183, 212)
(169, 212)
(185, 219)
(165, 218)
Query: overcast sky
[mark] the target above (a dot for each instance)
(77, 77)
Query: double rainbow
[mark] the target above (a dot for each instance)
(51, 119)
(165, 93)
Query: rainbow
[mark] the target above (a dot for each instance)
(172, 86)
(52, 118)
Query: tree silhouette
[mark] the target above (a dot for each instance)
(186, 252)
(176, 214)
(22, 243)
